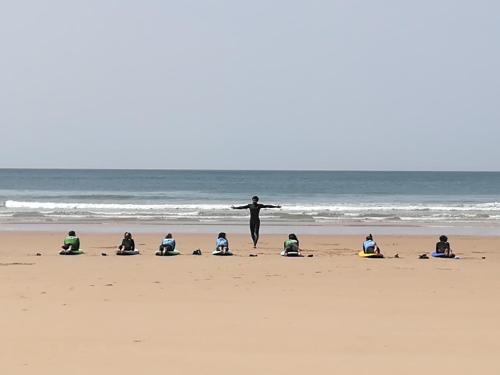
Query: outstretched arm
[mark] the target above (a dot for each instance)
(239, 207)
(270, 206)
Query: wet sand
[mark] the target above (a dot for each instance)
(331, 313)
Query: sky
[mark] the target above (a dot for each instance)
(230, 84)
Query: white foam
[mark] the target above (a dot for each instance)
(301, 209)
(432, 212)
(111, 206)
(396, 207)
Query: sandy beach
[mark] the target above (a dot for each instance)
(327, 119)
(331, 313)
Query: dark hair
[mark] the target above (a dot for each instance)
(127, 234)
(221, 235)
(292, 236)
(255, 198)
(168, 235)
(369, 237)
(443, 238)
(71, 233)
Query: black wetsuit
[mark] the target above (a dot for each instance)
(127, 244)
(442, 247)
(254, 218)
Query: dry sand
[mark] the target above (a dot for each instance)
(334, 313)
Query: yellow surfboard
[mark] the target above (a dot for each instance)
(369, 255)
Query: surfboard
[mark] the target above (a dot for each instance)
(369, 255)
(128, 252)
(442, 255)
(79, 252)
(168, 253)
(290, 254)
(221, 253)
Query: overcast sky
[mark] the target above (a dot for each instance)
(229, 84)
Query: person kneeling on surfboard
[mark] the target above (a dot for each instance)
(167, 245)
(443, 247)
(291, 245)
(370, 246)
(222, 244)
(127, 245)
(71, 244)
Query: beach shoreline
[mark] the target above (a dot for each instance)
(91, 227)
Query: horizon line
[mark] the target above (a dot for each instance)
(245, 170)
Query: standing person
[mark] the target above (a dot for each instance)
(254, 208)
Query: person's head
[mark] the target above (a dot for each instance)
(255, 199)
(443, 238)
(222, 235)
(72, 233)
(369, 237)
(168, 235)
(292, 236)
(127, 235)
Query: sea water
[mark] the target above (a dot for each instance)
(323, 198)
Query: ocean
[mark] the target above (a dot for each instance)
(323, 198)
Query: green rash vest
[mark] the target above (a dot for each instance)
(289, 243)
(73, 241)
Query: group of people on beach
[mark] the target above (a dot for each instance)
(71, 246)
(291, 247)
(443, 248)
(167, 247)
